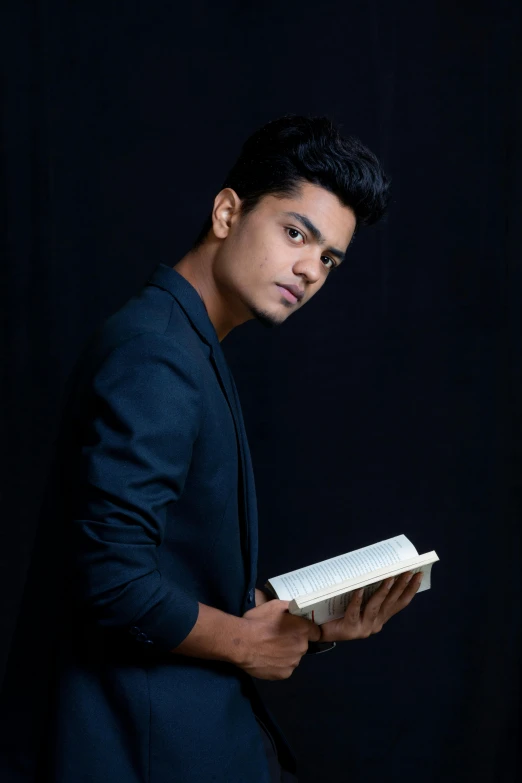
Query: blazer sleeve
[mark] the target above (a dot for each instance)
(141, 420)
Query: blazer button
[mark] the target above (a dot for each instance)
(142, 637)
(134, 630)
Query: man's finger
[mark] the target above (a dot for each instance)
(357, 597)
(353, 610)
(374, 604)
(401, 601)
(410, 589)
(373, 608)
(400, 583)
(314, 632)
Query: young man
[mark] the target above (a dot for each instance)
(164, 627)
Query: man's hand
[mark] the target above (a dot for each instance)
(273, 641)
(392, 596)
(268, 642)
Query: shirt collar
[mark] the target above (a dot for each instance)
(170, 280)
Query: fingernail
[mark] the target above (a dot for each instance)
(409, 578)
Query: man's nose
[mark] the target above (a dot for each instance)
(310, 267)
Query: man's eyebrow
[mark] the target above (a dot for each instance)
(307, 223)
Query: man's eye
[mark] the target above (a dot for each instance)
(295, 232)
(332, 262)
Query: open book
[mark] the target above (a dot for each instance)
(322, 591)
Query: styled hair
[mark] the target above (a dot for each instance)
(284, 153)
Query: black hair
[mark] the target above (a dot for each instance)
(278, 157)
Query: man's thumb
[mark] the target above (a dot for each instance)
(314, 632)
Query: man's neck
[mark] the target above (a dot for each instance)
(197, 268)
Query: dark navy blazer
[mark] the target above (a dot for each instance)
(158, 512)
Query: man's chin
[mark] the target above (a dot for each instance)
(269, 320)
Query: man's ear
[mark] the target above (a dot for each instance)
(227, 207)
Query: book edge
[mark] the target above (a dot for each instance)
(301, 602)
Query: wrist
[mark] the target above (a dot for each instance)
(326, 641)
(218, 636)
(329, 632)
(238, 641)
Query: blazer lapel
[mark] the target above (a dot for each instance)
(166, 277)
(246, 481)
(249, 490)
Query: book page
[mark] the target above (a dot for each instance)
(366, 579)
(336, 569)
(334, 607)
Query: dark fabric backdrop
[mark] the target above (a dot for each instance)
(390, 404)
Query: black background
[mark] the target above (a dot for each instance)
(390, 404)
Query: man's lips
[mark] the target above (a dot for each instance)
(291, 292)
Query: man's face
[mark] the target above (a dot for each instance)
(282, 242)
